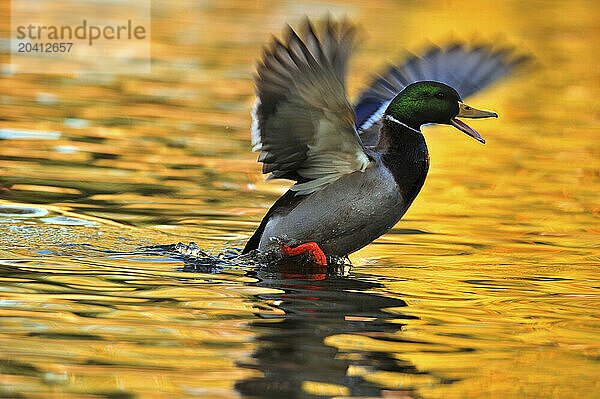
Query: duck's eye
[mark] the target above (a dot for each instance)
(440, 95)
(467, 108)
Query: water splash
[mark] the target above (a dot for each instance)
(200, 260)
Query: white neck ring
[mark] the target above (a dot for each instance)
(392, 119)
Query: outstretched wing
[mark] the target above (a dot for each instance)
(302, 123)
(466, 69)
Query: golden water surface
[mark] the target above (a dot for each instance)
(488, 288)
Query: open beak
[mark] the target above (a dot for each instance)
(464, 111)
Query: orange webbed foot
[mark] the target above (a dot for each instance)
(311, 248)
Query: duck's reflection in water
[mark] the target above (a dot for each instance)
(292, 353)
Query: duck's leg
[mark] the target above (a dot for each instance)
(311, 248)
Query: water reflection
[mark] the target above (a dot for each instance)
(505, 285)
(318, 303)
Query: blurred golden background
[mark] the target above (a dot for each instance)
(496, 259)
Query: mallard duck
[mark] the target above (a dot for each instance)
(357, 168)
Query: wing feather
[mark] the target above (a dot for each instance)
(302, 122)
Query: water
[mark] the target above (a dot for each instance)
(487, 288)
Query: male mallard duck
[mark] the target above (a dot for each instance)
(357, 169)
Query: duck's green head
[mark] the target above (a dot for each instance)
(433, 102)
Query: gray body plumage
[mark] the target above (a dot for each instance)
(342, 217)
